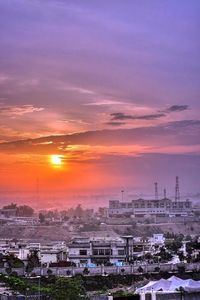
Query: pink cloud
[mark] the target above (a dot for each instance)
(15, 110)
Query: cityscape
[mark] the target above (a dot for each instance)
(99, 150)
(125, 241)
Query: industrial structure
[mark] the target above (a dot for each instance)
(163, 207)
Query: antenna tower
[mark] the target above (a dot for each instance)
(156, 190)
(165, 194)
(177, 191)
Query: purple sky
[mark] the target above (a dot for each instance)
(128, 71)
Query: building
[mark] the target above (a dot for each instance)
(8, 213)
(83, 251)
(147, 208)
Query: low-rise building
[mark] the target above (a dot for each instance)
(146, 208)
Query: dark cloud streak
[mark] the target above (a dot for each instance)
(122, 116)
(176, 108)
(115, 123)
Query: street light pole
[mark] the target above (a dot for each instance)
(39, 286)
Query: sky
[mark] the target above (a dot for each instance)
(110, 88)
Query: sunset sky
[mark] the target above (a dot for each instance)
(110, 88)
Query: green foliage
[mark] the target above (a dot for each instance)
(174, 245)
(181, 269)
(8, 270)
(21, 211)
(42, 218)
(25, 211)
(49, 272)
(193, 245)
(10, 206)
(14, 262)
(86, 271)
(140, 269)
(67, 289)
(33, 261)
(59, 289)
(164, 255)
(157, 269)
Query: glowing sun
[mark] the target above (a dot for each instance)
(56, 160)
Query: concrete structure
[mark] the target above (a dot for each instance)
(83, 251)
(8, 212)
(147, 208)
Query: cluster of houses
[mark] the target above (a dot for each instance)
(85, 251)
(9, 217)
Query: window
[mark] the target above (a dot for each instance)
(107, 251)
(95, 252)
(101, 251)
(83, 252)
(120, 252)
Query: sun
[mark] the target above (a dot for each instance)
(56, 160)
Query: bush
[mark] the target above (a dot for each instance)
(140, 270)
(14, 273)
(181, 269)
(49, 272)
(157, 269)
(8, 270)
(86, 271)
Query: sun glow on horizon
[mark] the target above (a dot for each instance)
(56, 160)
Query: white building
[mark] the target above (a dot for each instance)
(145, 208)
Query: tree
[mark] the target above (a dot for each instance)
(21, 211)
(1, 260)
(10, 206)
(181, 269)
(8, 270)
(33, 261)
(79, 211)
(86, 271)
(25, 211)
(181, 256)
(49, 272)
(41, 218)
(157, 269)
(140, 269)
(68, 272)
(67, 289)
(174, 245)
(13, 261)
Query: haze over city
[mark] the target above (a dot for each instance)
(98, 97)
